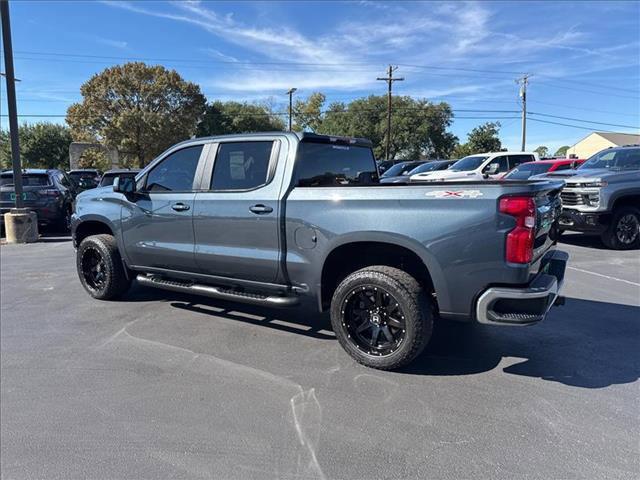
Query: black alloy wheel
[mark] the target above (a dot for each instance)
(374, 320)
(93, 269)
(628, 229)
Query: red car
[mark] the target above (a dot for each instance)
(529, 169)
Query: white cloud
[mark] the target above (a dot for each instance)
(120, 44)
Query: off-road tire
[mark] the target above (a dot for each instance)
(114, 281)
(610, 236)
(416, 305)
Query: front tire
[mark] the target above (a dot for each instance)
(382, 317)
(624, 231)
(100, 267)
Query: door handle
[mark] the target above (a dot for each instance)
(260, 209)
(180, 207)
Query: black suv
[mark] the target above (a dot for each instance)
(49, 193)
(86, 178)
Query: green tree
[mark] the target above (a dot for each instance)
(138, 109)
(481, 139)
(542, 151)
(418, 126)
(562, 151)
(307, 114)
(42, 145)
(223, 118)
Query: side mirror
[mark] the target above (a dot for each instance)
(491, 169)
(124, 185)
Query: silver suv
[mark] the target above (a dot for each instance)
(602, 197)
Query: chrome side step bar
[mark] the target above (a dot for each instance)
(217, 292)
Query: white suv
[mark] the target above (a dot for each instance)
(492, 165)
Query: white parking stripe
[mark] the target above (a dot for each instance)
(605, 276)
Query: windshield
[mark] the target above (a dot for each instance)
(526, 170)
(468, 163)
(400, 169)
(28, 180)
(427, 167)
(623, 159)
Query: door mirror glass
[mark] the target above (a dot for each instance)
(126, 185)
(492, 168)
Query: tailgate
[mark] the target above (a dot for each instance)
(548, 208)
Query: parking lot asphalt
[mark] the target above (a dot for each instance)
(161, 385)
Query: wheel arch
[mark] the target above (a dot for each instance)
(352, 252)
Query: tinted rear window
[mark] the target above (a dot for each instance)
(326, 165)
(28, 180)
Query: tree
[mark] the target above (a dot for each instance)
(223, 118)
(542, 151)
(139, 109)
(307, 114)
(481, 139)
(562, 151)
(42, 145)
(418, 126)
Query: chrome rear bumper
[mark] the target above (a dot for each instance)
(526, 305)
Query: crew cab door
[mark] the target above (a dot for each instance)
(497, 167)
(236, 226)
(157, 221)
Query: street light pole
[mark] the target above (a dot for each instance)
(290, 93)
(11, 101)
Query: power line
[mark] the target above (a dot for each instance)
(584, 121)
(567, 125)
(588, 91)
(460, 69)
(590, 84)
(587, 109)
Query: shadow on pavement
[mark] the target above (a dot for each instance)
(580, 240)
(584, 344)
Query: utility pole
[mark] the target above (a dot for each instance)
(290, 93)
(389, 79)
(11, 101)
(523, 82)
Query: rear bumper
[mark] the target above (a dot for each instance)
(46, 214)
(525, 305)
(574, 220)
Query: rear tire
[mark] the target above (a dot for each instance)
(100, 267)
(382, 317)
(623, 232)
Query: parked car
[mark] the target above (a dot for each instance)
(602, 197)
(86, 178)
(402, 168)
(110, 175)
(275, 218)
(430, 166)
(529, 169)
(49, 193)
(491, 165)
(385, 165)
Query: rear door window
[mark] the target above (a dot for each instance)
(515, 160)
(241, 165)
(329, 165)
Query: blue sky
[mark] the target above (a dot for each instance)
(584, 57)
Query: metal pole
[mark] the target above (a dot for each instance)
(290, 93)
(389, 79)
(523, 95)
(11, 101)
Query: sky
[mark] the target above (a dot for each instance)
(583, 57)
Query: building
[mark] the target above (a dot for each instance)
(596, 141)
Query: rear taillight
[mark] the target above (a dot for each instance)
(519, 247)
(50, 193)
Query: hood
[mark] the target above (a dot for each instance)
(398, 179)
(442, 175)
(593, 174)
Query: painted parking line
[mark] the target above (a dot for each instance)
(604, 276)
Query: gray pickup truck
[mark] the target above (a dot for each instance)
(602, 197)
(276, 218)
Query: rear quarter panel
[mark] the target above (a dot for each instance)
(459, 239)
